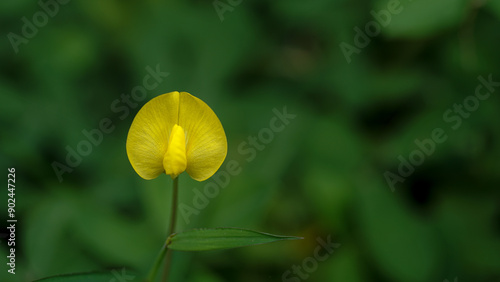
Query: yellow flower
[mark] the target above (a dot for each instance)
(176, 132)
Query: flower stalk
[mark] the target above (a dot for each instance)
(171, 229)
(165, 251)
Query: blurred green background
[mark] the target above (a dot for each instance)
(323, 176)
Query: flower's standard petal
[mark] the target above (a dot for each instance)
(206, 146)
(147, 139)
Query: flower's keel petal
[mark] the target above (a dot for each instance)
(147, 139)
(206, 141)
(220, 238)
(174, 161)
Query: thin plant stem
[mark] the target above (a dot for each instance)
(173, 214)
(171, 229)
(168, 261)
(157, 264)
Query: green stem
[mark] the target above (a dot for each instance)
(171, 229)
(168, 260)
(173, 214)
(158, 261)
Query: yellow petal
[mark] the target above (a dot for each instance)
(175, 161)
(206, 146)
(148, 136)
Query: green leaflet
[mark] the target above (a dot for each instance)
(220, 238)
(113, 275)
